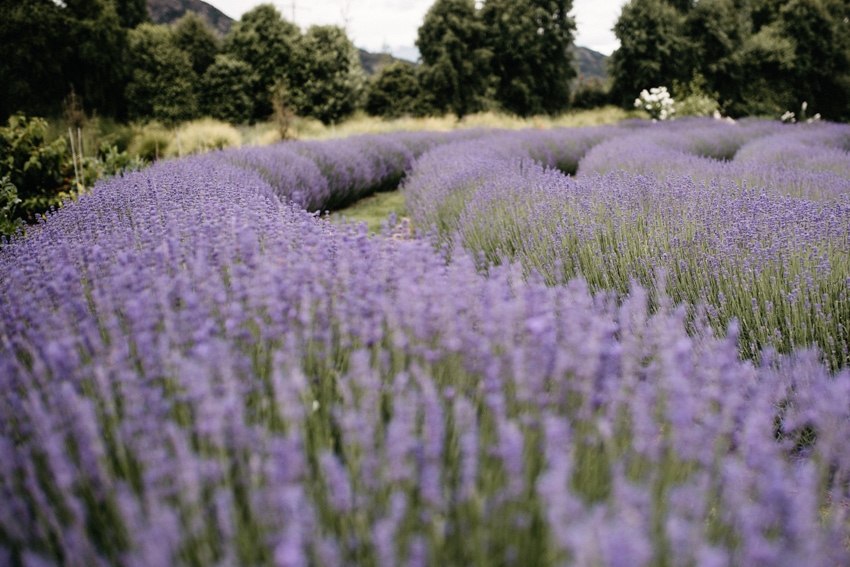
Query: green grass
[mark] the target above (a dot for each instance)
(372, 210)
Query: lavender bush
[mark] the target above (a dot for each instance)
(197, 371)
(776, 262)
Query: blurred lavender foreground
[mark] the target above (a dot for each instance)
(196, 371)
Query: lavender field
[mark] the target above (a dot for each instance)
(621, 345)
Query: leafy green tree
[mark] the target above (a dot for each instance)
(330, 82)
(532, 62)
(718, 29)
(96, 63)
(271, 46)
(132, 13)
(225, 88)
(162, 81)
(821, 58)
(33, 48)
(654, 49)
(766, 59)
(455, 59)
(198, 40)
(45, 48)
(394, 92)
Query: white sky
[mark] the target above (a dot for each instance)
(376, 24)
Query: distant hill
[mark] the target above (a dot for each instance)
(169, 11)
(590, 64)
(373, 62)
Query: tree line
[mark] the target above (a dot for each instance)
(755, 57)
(506, 54)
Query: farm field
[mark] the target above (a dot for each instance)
(606, 345)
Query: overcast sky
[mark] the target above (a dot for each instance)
(378, 24)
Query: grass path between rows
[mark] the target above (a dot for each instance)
(372, 210)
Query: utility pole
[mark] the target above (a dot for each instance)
(293, 9)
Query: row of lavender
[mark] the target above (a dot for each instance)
(746, 221)
(195, 372)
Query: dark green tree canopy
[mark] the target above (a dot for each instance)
(32, 55)
(132, 12)
(455, 59)
(761, 57)
(162, 82)
(394, 92)
(46, 48)
(654, 49)
(198, 40)
(532, 63)
(225, 90)
(329, 83)
(271, 46)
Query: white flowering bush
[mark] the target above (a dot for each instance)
(657, 102)
(791, 117)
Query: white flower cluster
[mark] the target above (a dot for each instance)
(657, 102)
(789, 117)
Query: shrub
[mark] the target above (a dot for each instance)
(203, 135)
(37, 168)
(151, 141)
(657, 102)
(590, 94)
(8, 203)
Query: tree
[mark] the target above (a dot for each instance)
(47, 48)
(329, 83)
(225, 88)
(162, 81)
(531, 42)
(394, 92)
(654, 50)
(32, 51)
(198, 40)
(271, 46)
(718, 30)
(455, 60)
(132, 13)
(96, 62)
(821, 59)
(767, 61)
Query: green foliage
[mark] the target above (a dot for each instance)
(131, 13)
(9, 201)
(455, 59)
(162, 83)
(225, 90)
(766, 59)
(193, 36)
(329, 83)
(151, 141)
(531, 43)
(821, 56)
(96, 50)
(692, 98)
(42, 170)
(202, 136)
(760, 57)
(33, 49)
(394, 92)
(271, 46)
(589, 94)
(653, 49)
(718, 32)
(36, 167)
